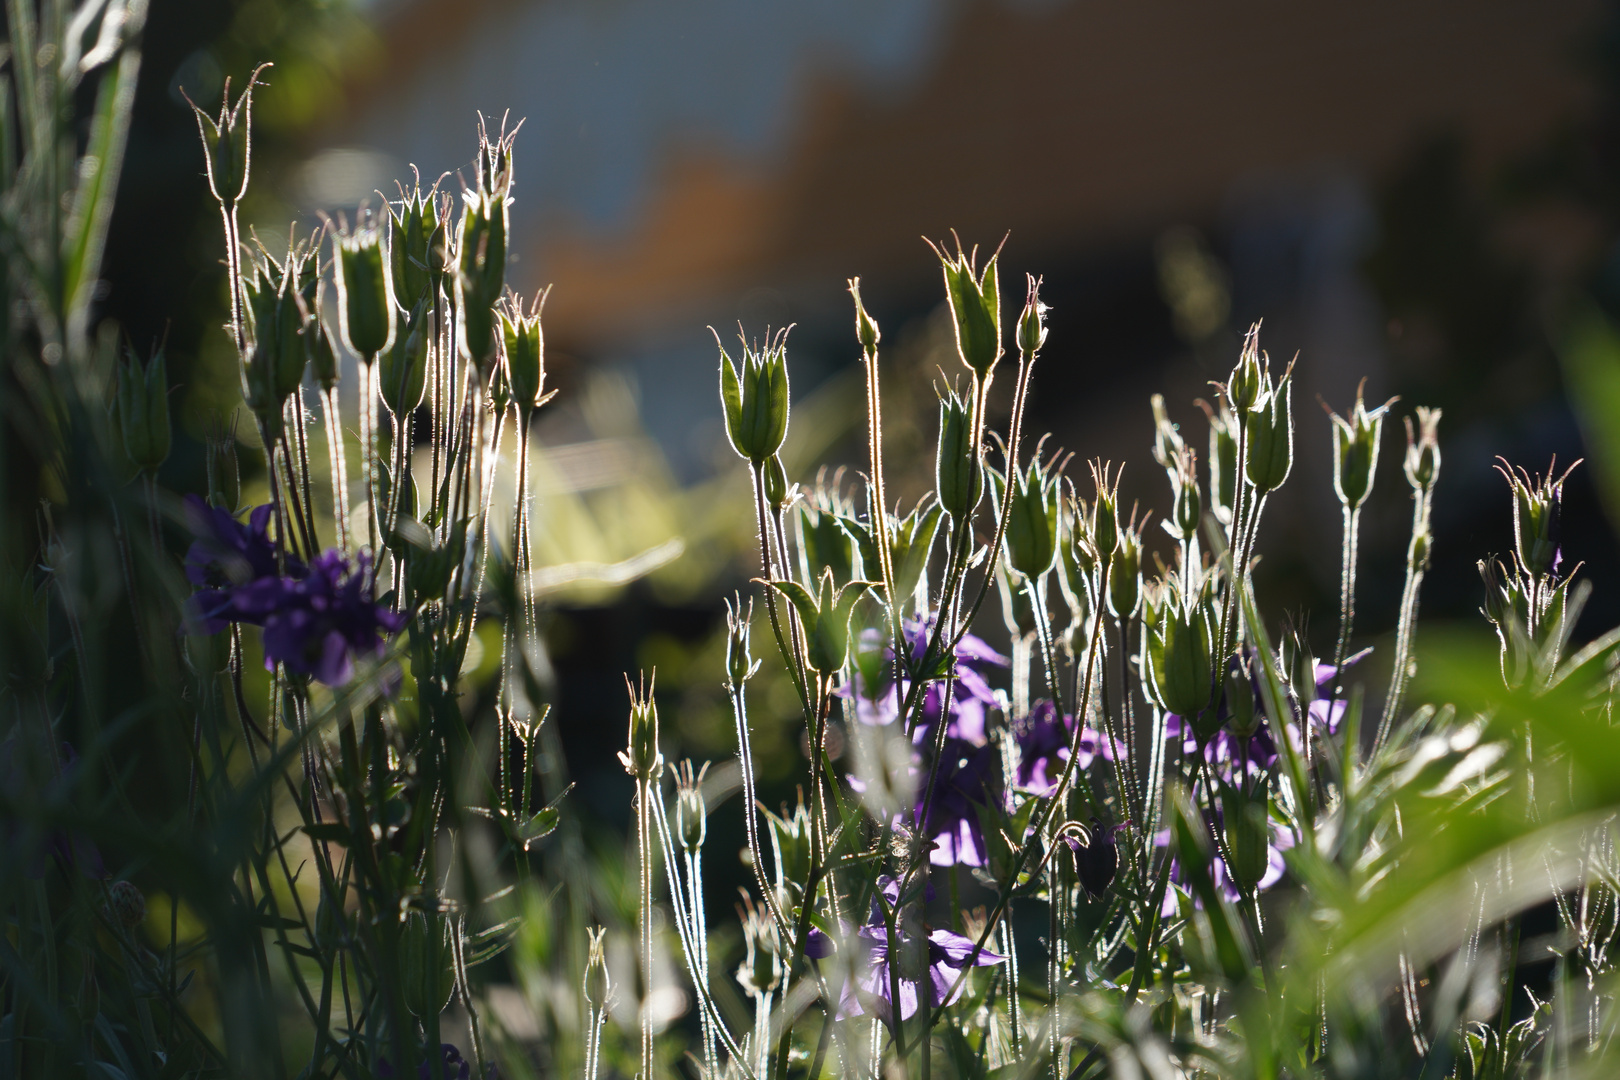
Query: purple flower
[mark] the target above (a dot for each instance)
(1043, 747)
(1096, 863)
(971, 697)
(925, 967)
(316, 625)
(961, 788)
(228, 555)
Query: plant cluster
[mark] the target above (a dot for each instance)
(1160, 838)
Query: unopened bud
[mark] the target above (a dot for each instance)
(740, 666)
(597, 984)
(866, 327)
(690, 812)
(1247, 384)
(1032, 323)
(1423, 449)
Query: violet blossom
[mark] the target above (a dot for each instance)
(926, 968)
(1043, 747)
(318, 624)
(228, 554)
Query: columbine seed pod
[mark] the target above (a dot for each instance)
(1246, 386)
(1248, 835)
(1355, 451)
(1032, 323)
(426, 964)
(1422, 464)
(1223, 462)
(320, 343)
(525, 353)
(482, 274)
(259, 370)
(142, 403)
(1177, 647)
(403, 367)
(958, 474)
(1269, 455)
(761, 969)
(975, 301)
(1167, 441)
(597, 983)
(224, 475)
(826, 619)
(691, 814)
(227, 142)
(866, 327)
(740, 664)
(641, 758)
(1187, 505)
(1537, 505)
(418, 271)
(1031, 540)
(1125, 575)
(1242, 715)
(754, 395)
(365, 292)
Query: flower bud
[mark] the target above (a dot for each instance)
(142, 403)
(426, 964)
(958, 474)
(755, 397)
(1032, 323)
(1125, 575)
(641, 758)
(866, 327)
(1096, 862)
(1031, 538)
(690, 811)
(1355, 451)
(975, 301)
(1187, 507)
(1423, 449)
(402, 372)
(1417, 552)
(365, 292)
(1269, 455)
(777, 491)
(740, 665)
(597, 984)
(525, 353)
(1246, 386)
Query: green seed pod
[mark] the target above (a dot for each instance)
(224, 475)
(1223, 462)
(691, 814)
(1355, 451)
(826, 542)
(975, 301)
(320, 345)
(1248, 835)
(142, 404)
(525, 353)
(761, 970)
(430, 564)
(1246, 386)
(259, 371)
(1269, 455)
(1104, 511)
(226, 142)
(958, 474)
(1032, 323)
(755, 398)
(740, 664)
(403, 367)
(1423, 449)
(1242, 716)
(1031, 539)
(482, 273)
(1537, 505)
(597, 984)
(426, 964)
(1167, 441)
(1177, 648)
(641, 758)
(790, 840)
(1125, 575)
(417, 232)
(1187, 503)
(365, 292)
(866, 327)
(911, 541)
(290, 357)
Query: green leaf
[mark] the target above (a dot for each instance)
(85, 232)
